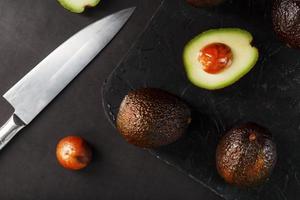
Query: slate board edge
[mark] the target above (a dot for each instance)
(185, 173)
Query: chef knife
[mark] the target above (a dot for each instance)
(44, 82)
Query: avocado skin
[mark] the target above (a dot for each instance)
(243, 162)
(204, 3)
(286, 21)
(150, 118)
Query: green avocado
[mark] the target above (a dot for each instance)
(150, 118)
(244, 57)
(78, 6)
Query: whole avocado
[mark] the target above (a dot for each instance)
(150, 118)
(246, 155)
(286, 21)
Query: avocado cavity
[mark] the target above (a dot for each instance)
(215, 57)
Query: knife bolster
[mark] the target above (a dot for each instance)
(10, 129)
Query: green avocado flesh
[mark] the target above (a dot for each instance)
(78, 6)
(245, 57)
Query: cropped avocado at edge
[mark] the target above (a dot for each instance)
(286, 23)
(74, 6)
(246, 155)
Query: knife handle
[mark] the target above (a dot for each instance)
(10, 129)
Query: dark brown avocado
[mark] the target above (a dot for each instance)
(286, 21)
(151, 118)
(246, 155)
(204, 3)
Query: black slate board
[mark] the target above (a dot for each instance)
(268, 95)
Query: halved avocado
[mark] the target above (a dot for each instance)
(78, 6)
(244, 57)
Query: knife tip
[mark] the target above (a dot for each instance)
(126, 13)
(131, 9)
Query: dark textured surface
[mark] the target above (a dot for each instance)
(30, 30)
(201, 3)
(269, 95)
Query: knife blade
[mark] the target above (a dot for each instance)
(45, 81)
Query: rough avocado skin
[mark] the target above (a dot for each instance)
(243, 160)
(286, 21)
(150, 118)
(204, 3)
